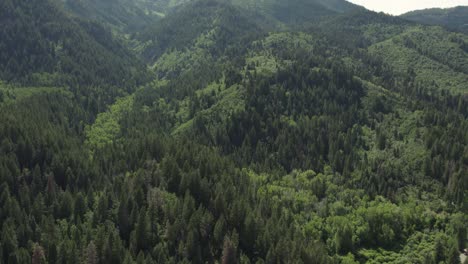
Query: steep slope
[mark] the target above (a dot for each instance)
(121, 15)
(188, 23)
(199, 34)
(41, 44)
(453, 18)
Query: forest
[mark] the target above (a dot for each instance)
(231, 131)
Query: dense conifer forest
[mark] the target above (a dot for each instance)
(231, 131)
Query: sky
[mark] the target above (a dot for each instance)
(398, 7)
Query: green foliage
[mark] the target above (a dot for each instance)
(429, 55)
(210, 24)
(10, 94)
(316, 144)
(106, 128)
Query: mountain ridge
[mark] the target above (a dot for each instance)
(123, 15)
(453, 18)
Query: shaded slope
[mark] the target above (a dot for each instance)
(39, 43)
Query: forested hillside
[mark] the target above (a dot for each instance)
(240, 131)
(453, 18)
(40, 43)
(123, 16)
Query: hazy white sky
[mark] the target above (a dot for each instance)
(397, 7)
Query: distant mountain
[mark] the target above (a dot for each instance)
(132, 15)
(453, 18)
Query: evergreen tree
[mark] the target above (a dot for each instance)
(141, 231)
(79, 207)
(453, 254)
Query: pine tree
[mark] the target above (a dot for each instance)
(439, 250)
(9, 241)
(219, 230)
(141, 231)
(453, 254)
(66, 205)
(171, 171)
(79, 207)
(460, 230)
(124, 220)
